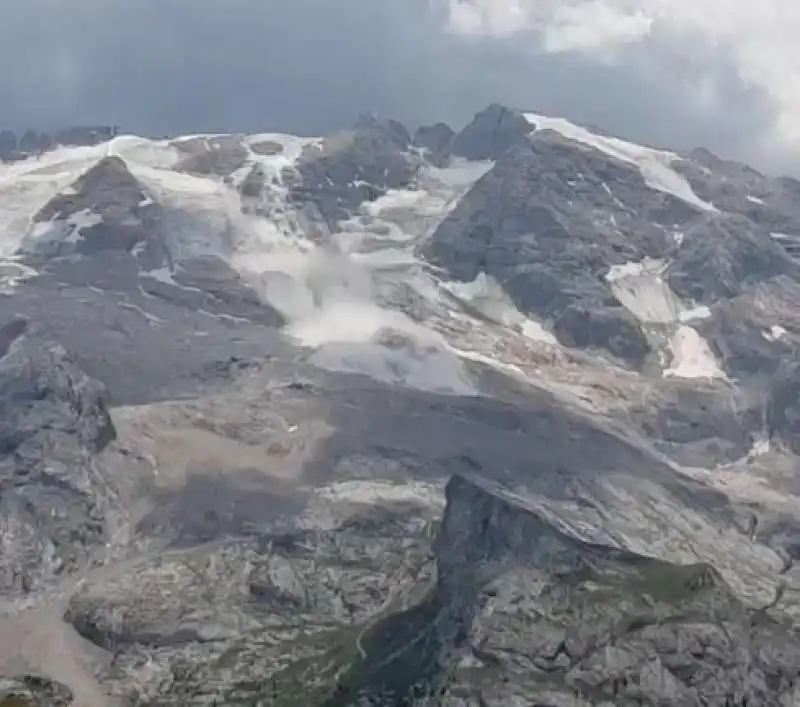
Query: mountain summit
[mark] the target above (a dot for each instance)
(504, 416)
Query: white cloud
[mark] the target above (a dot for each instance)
(759, 38)
(668, 72)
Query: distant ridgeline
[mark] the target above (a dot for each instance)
(32, 143)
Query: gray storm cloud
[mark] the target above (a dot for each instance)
(310, 66)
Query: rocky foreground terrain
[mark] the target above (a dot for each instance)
(502, 417)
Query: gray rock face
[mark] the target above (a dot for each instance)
(354, 167)
(783, 417)
(219, 156)
(436, 139)
(614, 329)
(106, 209)
(769, 202)
(52, 419)
(84, 135)
(32, 691)
(755, 332)
(244, 525)
(698, 424)
(547, 222)
(490, 134)
(544, 614)
(29, 142)
(720, 257)
(8, 143)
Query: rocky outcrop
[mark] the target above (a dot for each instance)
(289, 613)
(613, 329)
(548, 221)
(106, 209)
(217, 155)
(267, 528)
(33, 691)
(698, 423)
(53, 419)
(783, 413)
(719, 257)
(546, 617)
(756, 332)
(435, 140)
(85, 135)
(29, 142)
(353, 167)
(772, 203)
(8, 144)
(491, 132)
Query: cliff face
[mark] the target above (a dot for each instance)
(52, 500)
(541, 617)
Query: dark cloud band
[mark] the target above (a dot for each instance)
(310, 66)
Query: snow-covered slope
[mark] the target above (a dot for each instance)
(655, 165)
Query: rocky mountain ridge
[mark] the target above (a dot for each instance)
(496, 417)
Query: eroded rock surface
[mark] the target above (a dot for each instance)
(502, 417)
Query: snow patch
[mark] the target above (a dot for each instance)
(640, 288)
(394, 199)
(56, 231)
(489, 361)
(486, 296)
(691, 315)
(654, 165)
(692, 356)
(12, 274)
(775, 333)
(760, 447)
(156, 154)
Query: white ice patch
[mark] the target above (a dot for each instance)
(486, 296)
(80, 220)
(775, 333)
(691, 315)
(640, 288)
(461, 173)
(654, 165)
(12, 274)
(22, 195)
(760, 447)
(156, 154)
(489, 361)
(58, 231)
(198, 213)
(692, 356)
(395, 199)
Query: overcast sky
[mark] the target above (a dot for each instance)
(680, 73)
